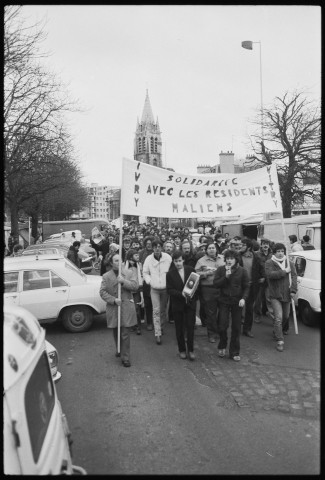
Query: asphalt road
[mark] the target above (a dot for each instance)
(165, 415)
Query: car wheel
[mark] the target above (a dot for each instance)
(77, 319)
(307, 315)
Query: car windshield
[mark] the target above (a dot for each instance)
(72, 267)
(39, 404)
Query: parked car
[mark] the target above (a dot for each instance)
(60, 249)
(36, 435)
(308, 297)
(84, 244)
(53, 289)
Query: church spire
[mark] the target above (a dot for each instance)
(147, 116)
(147, 143)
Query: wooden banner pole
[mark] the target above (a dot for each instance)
(119, 287)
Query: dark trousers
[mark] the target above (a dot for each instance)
(249, 303)
(124, 342)
(210, 299)
(137, 300)
(184, 323)
(147, 303)
(235, 311)
(202, 313)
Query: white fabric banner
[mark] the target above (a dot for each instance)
(157, 192)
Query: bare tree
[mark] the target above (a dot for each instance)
(292, 139)
(65, 193)
(37, 145)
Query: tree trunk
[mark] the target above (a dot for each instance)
(286, 205)
(14, 219)
(34, 226)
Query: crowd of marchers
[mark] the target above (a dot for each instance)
(240, 280)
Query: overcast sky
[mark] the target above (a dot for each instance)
(203, 86)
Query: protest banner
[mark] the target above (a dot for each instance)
(153, 191)
(158, 192)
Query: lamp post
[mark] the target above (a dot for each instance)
(248, 44)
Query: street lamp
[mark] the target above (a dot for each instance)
(248, 44)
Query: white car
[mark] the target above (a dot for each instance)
(308, 296)
(87, 259)
(53, 288)
(36, 435)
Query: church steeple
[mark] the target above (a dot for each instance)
(147, 116)
(147, 143)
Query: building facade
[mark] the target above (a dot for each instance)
(104, 202)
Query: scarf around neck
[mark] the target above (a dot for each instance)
(281, 263)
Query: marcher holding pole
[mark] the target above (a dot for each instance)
(116, 290)
(282, 289)
(290, 280)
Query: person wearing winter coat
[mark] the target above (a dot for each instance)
(109, 293)
(295, 246)
(155, 268)
(102, 248)
(262, 300)
(183, 307)
(143, 254)
(73, 253)
(248, 259)
(233, 282)
(132, 261)
(282, 289)
(208, 294)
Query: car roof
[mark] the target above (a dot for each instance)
(43, 245)
(53, 244)
(43, 260)
(309, 254)
(33, 251)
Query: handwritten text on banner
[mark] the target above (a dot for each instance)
(157, 192)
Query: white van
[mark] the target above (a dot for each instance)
(36, 436)
(272, 229)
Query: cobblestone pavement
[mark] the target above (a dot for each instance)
(259, 387)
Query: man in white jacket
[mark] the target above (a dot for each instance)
(155, 268)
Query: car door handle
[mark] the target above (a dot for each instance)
(58, 291)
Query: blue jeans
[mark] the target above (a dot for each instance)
(281, 312)
(236, 312)
(159, 300)
(262, 300)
